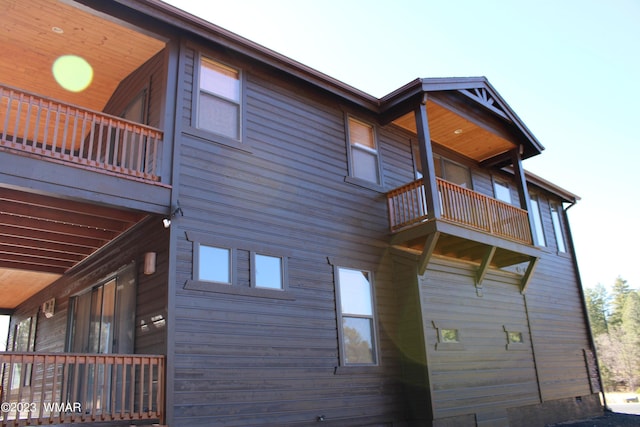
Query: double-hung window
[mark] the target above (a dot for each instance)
(219, 99)
(363, 151)
(356, 317)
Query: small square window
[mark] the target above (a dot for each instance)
(515, 337)
(268, 272)
(214, 264)
(449, 335)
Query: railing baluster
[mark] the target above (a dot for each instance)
(460, 205)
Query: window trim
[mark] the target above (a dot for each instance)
(234, 245)
(375, 348)
(211, 135)
(351, 177)
(558, 229)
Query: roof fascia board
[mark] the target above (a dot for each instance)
(194, 25)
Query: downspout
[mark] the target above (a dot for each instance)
(584, 299)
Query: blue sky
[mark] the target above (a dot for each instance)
(568, 69)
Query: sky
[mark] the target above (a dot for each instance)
(567, 68)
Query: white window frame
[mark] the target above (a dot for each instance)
(375, 352)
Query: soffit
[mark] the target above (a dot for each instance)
(30, 45)
(42, 237)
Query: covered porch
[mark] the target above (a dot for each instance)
(466, 120)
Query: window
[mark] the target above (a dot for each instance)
(214, 264)
(219, 105)
(363, 151)
(268, 272)
(501, 191)
(357, 322)
(452, 172)
(449, 336)
(515, 338)
(557, 227)
(537, 221)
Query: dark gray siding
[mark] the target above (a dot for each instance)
(482, 375)
(267, 361)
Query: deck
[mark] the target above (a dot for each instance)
(65, 388)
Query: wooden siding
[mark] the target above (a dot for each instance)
(269, 361)
(482, 376)
(151, 290)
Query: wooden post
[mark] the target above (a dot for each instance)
(523, 191)
(426, 160)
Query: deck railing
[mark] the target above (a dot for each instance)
(56, 388)
(33, 124)
(407, 206)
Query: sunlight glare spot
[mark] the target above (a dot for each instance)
(72, 72)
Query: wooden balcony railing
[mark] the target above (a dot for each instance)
(56, 388)
(407, 206)
(36, 125)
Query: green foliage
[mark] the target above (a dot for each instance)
(615, 325)
(597, 300)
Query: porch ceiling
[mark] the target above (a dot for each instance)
(34, 33)
(41, 237)
(458, 134)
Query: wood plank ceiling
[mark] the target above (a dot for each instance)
(458, 134)
(49, 235)
(41, 237)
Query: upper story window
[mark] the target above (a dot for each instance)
(537, 220)
(557, 227)
(502, 191)
(356, 317)
(364, 161)
(219, 99)
(452, 172)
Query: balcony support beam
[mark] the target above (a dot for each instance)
(426, 159)
(526, 278)
(484, 267)
(427, 251)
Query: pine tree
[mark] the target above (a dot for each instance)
(597, 301)
(619, 294)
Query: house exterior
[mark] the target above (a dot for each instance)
(211, 234)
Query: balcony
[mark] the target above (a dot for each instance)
(54, 131)
(57, 388)
(461, 206)
(472, 227)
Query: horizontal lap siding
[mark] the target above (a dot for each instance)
(483, 378)
(243, 360)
